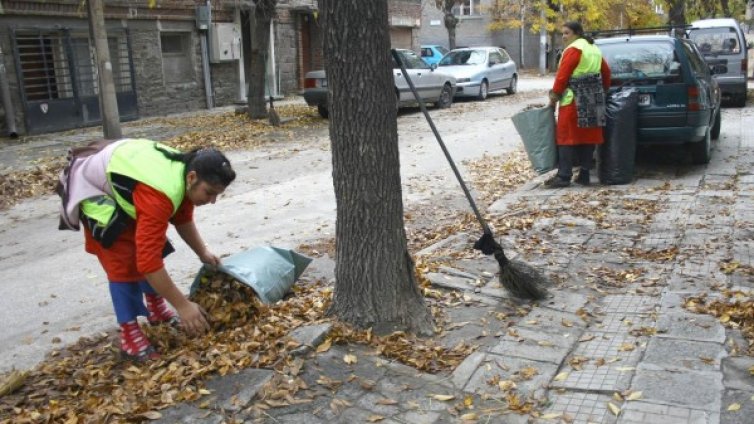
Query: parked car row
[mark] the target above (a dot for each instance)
(433, 87)
(466, 72)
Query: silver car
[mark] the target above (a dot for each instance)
(433, 86)
(480, 70)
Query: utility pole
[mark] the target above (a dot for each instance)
(542, 43)
(107, 100)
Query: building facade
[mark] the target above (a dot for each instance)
(176, 56)
(473, 30)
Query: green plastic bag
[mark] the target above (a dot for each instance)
(269, 271)
(536, 126)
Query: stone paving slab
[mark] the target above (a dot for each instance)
(534, 345)
(691, 389)
(622, 323)
(691, 326)
(626, 304)
(234, 392)
(744, 415)
(674, 354)
(641, 412)
(578, 408)
(188, 414)
(551, 321)
(495, 367)
(736, 373)
(565, 302)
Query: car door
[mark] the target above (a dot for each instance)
(421, 75)
(509, 68)
(495, 70)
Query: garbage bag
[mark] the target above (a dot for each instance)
(617, 155)
(536, 126)
(269, 271)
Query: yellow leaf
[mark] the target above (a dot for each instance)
(151, 415)
(471, 416)
(204, 392)
(325, 346)
(443, 398)
(552, 416)
(626, 347)
(734, 407)
(544, 343)
(506, 385)
(586, 338)
(562, 376)
(375, 418)
(634, 396)
(386, 401)
(468, 401)
(725, 318)
(350, 359)
(613, 409)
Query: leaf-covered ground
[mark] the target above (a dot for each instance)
(226, 131)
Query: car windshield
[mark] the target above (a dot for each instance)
(464, 57)
(714, 41)
(640, 60)
(443, 51)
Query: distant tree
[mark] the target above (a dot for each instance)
(375, 284)
(264, 12)
(450, 20)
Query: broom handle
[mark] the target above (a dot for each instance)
(423, 108)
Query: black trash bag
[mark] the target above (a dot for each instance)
(616, 157)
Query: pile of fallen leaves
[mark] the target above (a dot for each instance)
(422, 354)
(734, 310)
(227, 131)
(227, 302)
(87, 382)
(36, 181)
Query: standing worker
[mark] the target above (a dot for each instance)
(126, 193)
(581, 82)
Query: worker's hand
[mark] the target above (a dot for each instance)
(553, 103)
(193, 319)
(209, 258)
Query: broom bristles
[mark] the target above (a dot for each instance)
(523, 281)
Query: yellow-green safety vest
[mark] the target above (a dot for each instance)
(137, 159)
(590, 63)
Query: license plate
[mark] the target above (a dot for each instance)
(644, 99)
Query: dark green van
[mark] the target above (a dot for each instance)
(679, 101)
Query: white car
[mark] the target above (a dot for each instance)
(433, 86)
(480, 70)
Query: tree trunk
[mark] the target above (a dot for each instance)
(726, 7)
(677, 12)
(375, 284)
(451, 22)
(260, 47)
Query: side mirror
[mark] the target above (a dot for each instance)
(433, 66)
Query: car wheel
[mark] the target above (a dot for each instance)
(716, 126)
(484, 90)
(514, 85)
(446, 97)
(323, 112)
(701, 152)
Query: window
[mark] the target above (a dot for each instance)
(697, 63)
(714, 41)
(411, 61)
(496, 58)
(640, 59)
(177, 66)
(468, 8)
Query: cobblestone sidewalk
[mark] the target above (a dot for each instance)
(612, 345)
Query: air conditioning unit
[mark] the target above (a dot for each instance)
(225, 42)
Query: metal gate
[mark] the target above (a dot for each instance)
(58, 78)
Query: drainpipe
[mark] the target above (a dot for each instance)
(241, 95)
(204, 40)
(10, 114)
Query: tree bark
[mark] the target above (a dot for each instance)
(677, 12)
(451, 22)
(260, 47)
(375, 284)
(108, 100)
